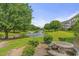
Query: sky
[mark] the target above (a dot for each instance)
(46, 12)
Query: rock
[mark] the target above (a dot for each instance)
(55, 53)
(62, 48)
(62, 44)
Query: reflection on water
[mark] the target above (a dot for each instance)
(37, 34)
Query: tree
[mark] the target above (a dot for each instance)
(33, 27)
(14, 17)
(47, 26)
(76, 26)
(55, 25)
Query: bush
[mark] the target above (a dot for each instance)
(70, 39)
(48, 39)
(28, 51)
(33, 43)
(1, 35)
(36, 31)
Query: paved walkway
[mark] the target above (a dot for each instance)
(41, 50)
(16, 52)
(3, 44)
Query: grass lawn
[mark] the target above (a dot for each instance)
(62, 34)
(10, 34)
(16, 44)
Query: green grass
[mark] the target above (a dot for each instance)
(16, 44)
(10, 34)
(62, 34)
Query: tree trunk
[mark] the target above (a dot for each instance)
(6, 35)
(14, 31)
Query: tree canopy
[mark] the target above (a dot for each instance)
(76, 26)
(33, 27)
(14, 17)
(55, 24)
(47, 26)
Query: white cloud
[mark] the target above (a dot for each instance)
(74, 14)
(42, 22)
(67, 18)
(59, 19)
(39, 23)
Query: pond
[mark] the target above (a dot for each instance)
(35, 34)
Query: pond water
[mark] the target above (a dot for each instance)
(37, 34)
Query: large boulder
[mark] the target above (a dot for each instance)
(62, 48)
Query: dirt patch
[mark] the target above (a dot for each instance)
(41, 50)
(16, 52)
(3, 44)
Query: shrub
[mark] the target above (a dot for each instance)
(62, 39)
(48, 39)
(1, 35)
(28, 51)
(33, 43)
(36, 31)
(70, 39)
